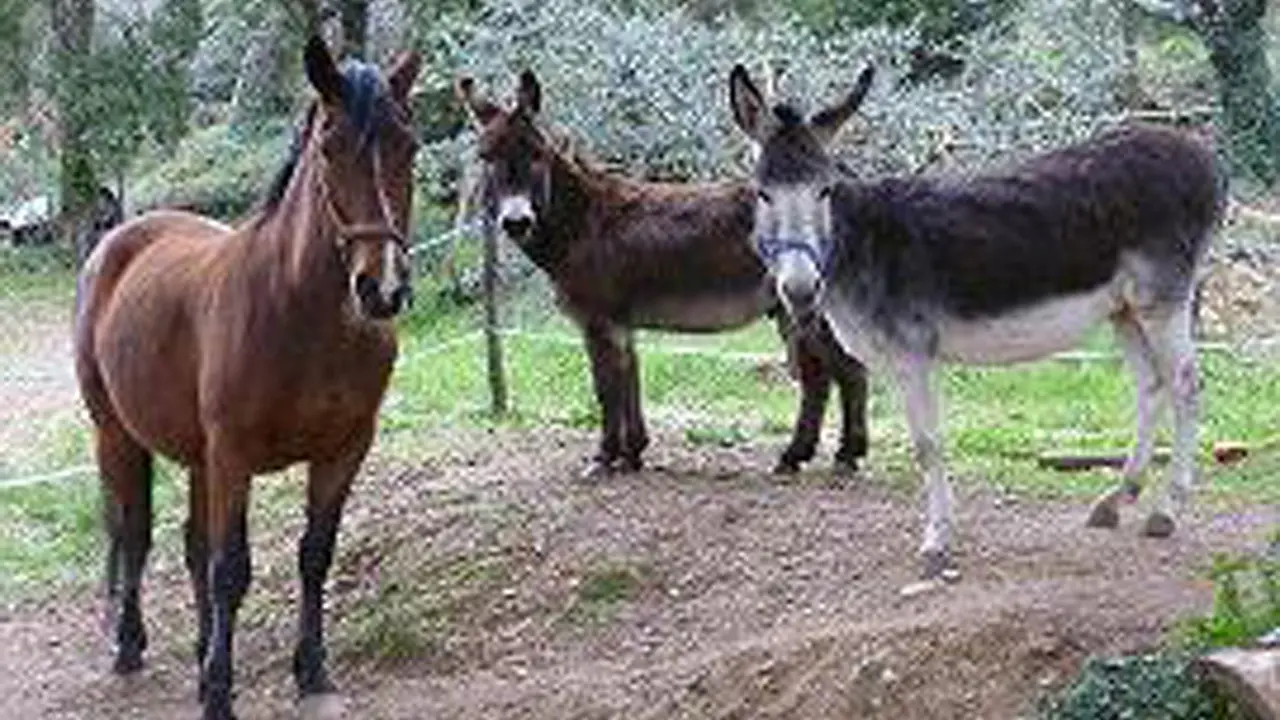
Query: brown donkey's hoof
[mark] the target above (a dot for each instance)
(1158, 525)
(1104, 514)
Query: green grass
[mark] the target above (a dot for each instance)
(603, 589)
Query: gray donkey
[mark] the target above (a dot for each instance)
(994, 269)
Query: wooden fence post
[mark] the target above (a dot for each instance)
(492, 329)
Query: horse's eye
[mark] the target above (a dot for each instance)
(824, 193)
(764, 196)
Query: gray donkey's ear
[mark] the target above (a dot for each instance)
(750, 111)
(827, 123)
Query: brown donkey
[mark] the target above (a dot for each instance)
(243, 351)
(626, 254)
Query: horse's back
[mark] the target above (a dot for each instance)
(129, 303)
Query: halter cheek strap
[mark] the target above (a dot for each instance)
(770, 248)
(358, 232)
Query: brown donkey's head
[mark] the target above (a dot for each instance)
(516, 156)
(361, 135)
(794, 177)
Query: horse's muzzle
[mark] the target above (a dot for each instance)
(377, 306)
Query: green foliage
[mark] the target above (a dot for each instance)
(1246, 603)
(647, 92)
(1144, 687)
(219, 170)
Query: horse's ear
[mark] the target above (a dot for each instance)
(529, 93)
(403, 73)
(749, 110)
(829, 121)
(480, 111)
(322, 72)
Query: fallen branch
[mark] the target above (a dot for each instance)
(1225, 452)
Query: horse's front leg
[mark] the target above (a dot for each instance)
(227, 495)
(914, 375)
(328, 485)
(604, 347)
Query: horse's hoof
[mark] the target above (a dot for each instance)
(786, 466)
(218, 713)
(631, 464)
(1104, 514)
(324, 706)
(127, 663)
(844, 468)
(1158, 525)
(597, 469)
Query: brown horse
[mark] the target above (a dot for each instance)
(627, 254)
(240, 352)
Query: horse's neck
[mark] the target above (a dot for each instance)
(297, 247)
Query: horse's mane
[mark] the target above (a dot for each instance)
(364, 94)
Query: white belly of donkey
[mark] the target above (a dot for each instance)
(1026, 333)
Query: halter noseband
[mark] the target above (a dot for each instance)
(770, 248)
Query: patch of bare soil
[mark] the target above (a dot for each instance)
(701, 588)
(37, 379)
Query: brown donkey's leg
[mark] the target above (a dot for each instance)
(327, 487)
(227, 489)
(815, 387)
(635, 434)
(606, 373)
(126, 475)
(851, 377)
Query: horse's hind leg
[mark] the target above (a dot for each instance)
(1175, 352)
(197, 556)
(1150, 392)
(126, 475)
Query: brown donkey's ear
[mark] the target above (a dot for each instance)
(322, 72)
(403, 73)
(749, 110)
(529, 93)
(481, 111)
(828, 122)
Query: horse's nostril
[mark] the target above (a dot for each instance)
(516, 227)
(366, 287)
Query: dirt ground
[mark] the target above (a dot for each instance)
(742, 596)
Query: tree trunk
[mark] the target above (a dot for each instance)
(1233, 32)
(72, 22)
(262, 83)
(355, 28)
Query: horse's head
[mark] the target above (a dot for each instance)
(361, 135)
(794, 177)
(516, 155)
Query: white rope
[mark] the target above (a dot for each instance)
(58, 476)
(576, 341)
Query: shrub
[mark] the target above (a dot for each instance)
(218, 170)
